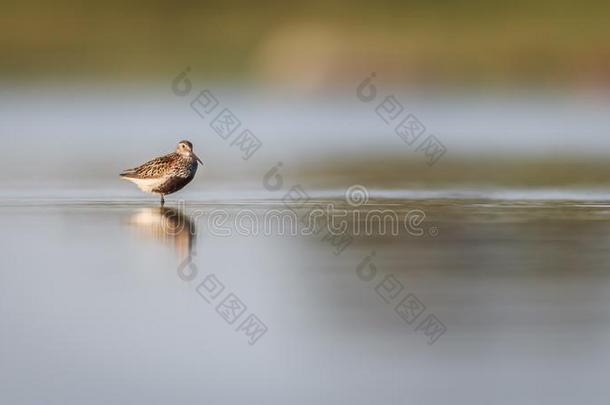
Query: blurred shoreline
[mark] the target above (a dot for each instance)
(86, 137)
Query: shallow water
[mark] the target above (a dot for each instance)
(99, 303)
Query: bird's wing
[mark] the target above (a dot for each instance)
(152, 169)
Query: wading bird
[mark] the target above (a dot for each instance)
(166, 174)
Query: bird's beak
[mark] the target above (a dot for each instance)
(197, 157)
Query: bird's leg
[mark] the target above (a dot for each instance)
(162, 200)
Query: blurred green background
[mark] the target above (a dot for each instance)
(318, 43)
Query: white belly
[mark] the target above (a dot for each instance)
(147, 185)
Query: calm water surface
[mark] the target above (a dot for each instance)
(99, 304)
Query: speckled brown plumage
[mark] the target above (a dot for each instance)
(172, 164)
(166, 174)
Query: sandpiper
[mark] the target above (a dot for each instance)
(166, 174)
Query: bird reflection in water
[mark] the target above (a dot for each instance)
(168, 225)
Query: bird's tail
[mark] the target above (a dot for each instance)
(128, 173)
